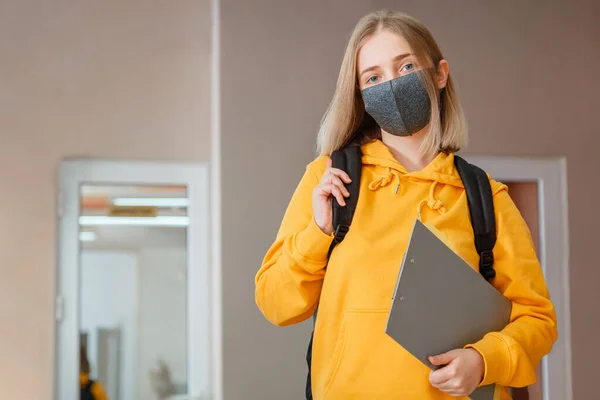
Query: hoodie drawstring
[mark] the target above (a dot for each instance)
(432, 202)
(385, 180)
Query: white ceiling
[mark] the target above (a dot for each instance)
(114, 191)
(96, 199)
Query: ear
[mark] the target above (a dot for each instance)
(441, 77)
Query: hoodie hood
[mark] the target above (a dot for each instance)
(387, 170)
(441, 169)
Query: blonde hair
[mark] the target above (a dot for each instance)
(345, 117)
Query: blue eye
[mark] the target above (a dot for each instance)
(373, 79)
(408, 67)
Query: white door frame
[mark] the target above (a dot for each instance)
(551, 177)
(202, 305)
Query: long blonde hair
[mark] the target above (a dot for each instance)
(346, 115)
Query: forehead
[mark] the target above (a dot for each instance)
(380, 49)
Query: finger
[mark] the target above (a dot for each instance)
(449, 385)
(338, 182)
(329, 189)
(441, 376)
(455, 387)
(329, 173)
(440, 359)
(337, 193)
(330, 178)
(455, 394)
(451, 388)
(341, 174)
(443, 359)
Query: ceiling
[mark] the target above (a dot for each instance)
(97, 200)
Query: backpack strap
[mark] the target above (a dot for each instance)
(481, 210)
(348, 159)
(86, 391)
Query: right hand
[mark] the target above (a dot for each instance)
(332, 184)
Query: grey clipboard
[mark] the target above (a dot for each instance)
(441, 303)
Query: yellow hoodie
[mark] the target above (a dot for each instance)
(97, 390)
(353, 358)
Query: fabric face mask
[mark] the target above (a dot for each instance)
(400, 106)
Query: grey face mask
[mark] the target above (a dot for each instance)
(400, 106)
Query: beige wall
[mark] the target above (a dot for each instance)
(527, 75)
(119, 79)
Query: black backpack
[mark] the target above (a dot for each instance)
(86, 391)
(481, 210)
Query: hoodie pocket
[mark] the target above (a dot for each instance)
(358, 361)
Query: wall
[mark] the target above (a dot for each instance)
(526, 75)
(110, 79)
(109, 300)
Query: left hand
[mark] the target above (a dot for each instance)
(462, 372)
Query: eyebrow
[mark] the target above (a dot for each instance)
(374, 67)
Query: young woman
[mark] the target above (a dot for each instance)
(395, 85)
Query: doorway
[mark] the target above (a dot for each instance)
(133, 304)
(526, 198)
(538, 188)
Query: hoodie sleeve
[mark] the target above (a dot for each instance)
(288, 284)
(512, 355)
